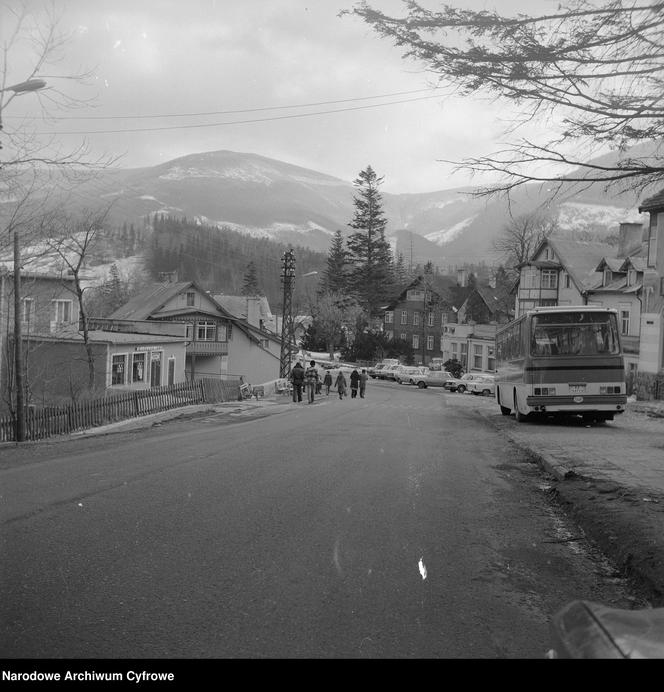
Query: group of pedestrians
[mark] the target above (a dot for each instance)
(309, 379)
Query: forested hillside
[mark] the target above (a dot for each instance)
(217, 258)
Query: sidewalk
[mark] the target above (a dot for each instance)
(610, 479)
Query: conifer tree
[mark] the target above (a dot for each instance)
(335, 275)
(250, 282)
(371, 276)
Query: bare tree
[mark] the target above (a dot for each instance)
(73, 240)
(520, 237)
(333, 314)
(31, 45)
(591, 71)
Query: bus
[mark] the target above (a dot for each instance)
(561, 361)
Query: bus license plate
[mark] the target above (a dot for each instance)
(577, 388)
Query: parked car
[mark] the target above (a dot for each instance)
(375, 370)
(485, 386)
(460, 385)
(405, 374)
(433, 378)
(388, 373)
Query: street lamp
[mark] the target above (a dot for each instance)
(20, 88)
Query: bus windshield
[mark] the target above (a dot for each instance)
(574, 334)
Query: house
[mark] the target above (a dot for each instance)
(417, 316)
(486, 305)
(58, 365)
(47, 305)
(220, 344)
(473, 345)
(651, 357)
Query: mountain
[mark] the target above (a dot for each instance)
(294, 205)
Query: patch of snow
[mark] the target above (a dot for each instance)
(112, 194)
(242, 174)
(148, 197)
(448, 234)
(577, 215)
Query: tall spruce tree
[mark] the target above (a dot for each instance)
(371, 272)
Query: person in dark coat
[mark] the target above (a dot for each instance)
(354, 383)
(363, 382)
(327, 382)
(297, 378)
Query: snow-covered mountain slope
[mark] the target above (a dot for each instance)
(265, 197)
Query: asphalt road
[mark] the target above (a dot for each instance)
(400, 525)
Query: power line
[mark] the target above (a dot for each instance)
(232, 112)
(234, 122)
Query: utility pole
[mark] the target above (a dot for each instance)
(288, 281)
(21, 88)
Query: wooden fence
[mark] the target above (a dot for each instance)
(62, 420)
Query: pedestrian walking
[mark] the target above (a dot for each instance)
(297, 380)
(340, 384)
(354, 383)
(363, 382)
(311, 380)
(327, 382)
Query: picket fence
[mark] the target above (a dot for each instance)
(62, 420)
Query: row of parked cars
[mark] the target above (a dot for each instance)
(423, 377)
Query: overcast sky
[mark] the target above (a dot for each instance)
(261, 76)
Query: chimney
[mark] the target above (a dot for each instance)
(630, 237)
(253, 311)
(462, 277)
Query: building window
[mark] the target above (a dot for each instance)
(607, 277)
(404, 317)
(416, 319)
(389, 317)
(567, 281)
(416, 341)
(652, 240)
(191, 298)
(28, 310)
(455, 348)
(549, 278)
(138, 368)
(205, 331)
(477, 356)
(624, 320)
(415, 295)
(62, 311)
(430, 319)
(118, 368)
(430, 339)
(403, 336)
(491, 359)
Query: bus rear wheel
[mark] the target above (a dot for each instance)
(505, 411)
(520, 417)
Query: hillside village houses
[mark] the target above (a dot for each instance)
(438, 330)
(54, 358)
(630, 280)
(219, 344)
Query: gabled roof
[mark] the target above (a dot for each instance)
(147, 302)
(639, 263)
(612, 263)
(653, 203)
(578, 258)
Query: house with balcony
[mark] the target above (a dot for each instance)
(219, 344)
